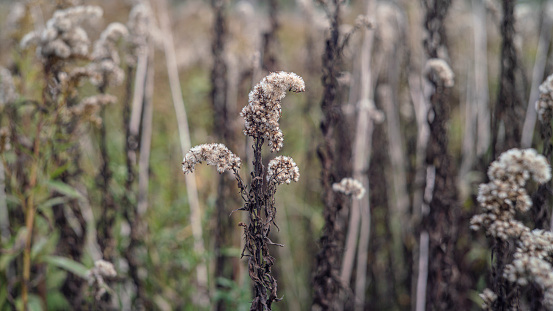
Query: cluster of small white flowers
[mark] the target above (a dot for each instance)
(505, 192)
(7, 88)
(350, 186)
(438, 69)
(283, 169)
(263, 111)
(488, 296)
(212, 154)
(544, 105)
(96, 275)
(63, 37)
(500, 199)
(88, 107)
(526, 268)
(106, 57)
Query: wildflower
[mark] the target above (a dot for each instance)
(96, 275)
(505, 193)
(283, 169)
(213, 154)
(88, 107)
(105, 58)
(544, 104)
(263, 111)
(489, 297)
(62, 37)
(350, 186)
(438, 70)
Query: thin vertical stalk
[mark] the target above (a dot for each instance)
(30, 216)
(544, 41)
(184, 137)
(360, 159)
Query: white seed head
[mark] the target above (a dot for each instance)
(263, 111)
(350, 186)
(283, 169)
(213, 154)
(439, 70)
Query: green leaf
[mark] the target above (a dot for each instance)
(60, 170)
(67, 264)
(56, 301)
(64, 189)
(51, 202)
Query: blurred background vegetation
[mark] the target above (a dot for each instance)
(167, 263)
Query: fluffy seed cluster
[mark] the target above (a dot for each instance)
(438, 70)
(212, 154)
(488, 296)
(96, 275)
(63, 37)
(263, 111)
(544, 105)
(7, 88)
(282, 169)
(89, 106)
(500, 199)
(505, 193)
(532, 263)
(350, 186)
(105, 57)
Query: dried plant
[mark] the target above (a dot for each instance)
(501, 199)
(261, 116)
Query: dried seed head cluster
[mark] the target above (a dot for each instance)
(532, 263)
(63, 37)
(283, 169)
(7, 88)
(212, 154)
(505, 192)
(97, 274)
(106, 57)
(89, 106)
(488, 296)
(439, 71)
(141, 28)
(263, 111)
(350, 186)
(500, 199)
(544, 105)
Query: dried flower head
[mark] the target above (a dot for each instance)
(89, 106)
(488, 296)
(283, 169)
(97, 274)
(263, 111)
(544, 105)
(505, 193)
(350, 186)
(105, 57)
(8, 94)
(212, 154)
(62, 37)
(439, 71)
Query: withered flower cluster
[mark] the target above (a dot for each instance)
(500, 199)
(261, 122)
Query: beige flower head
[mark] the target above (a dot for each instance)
(350, 186)
(544, 105)
(439, 71)
(212, 154)
(283, 169)
(263, 111)
(63, 37)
